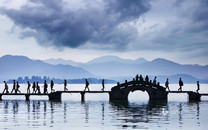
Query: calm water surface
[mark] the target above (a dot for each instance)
(97, 112)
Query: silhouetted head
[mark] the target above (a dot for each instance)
(155, 77)
(179, 78)
(197, 81)
(167, 78)
(4, 81)
(27, 81)
(14, 80)
(85, 79)
(17, 82)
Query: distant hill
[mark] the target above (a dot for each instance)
(61, 61)
(117, 67)
(20, 66)
(115, 59)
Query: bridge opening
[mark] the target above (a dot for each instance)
(138, 96)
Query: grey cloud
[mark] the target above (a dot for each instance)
(51, 24)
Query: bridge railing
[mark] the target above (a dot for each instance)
(137, 83)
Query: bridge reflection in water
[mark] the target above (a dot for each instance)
(47, 113)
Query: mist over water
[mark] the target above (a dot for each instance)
(97, 112)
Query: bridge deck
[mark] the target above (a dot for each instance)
(83, 91)
(204, 94)
(42, 94)
(179, 91)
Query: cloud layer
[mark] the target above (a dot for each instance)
(174, 26)
(58, 23)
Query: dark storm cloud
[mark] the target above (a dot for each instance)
(52, 23)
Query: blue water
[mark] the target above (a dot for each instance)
(97, 112)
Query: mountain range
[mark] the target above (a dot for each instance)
(114, 67)
(20, 66)
(110, 67)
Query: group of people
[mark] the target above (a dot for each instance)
(166, 83)
(87, 85)
(15, 88)
(36, 87)
(180, 83)
(146, 79)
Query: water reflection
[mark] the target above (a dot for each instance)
(122, 114)
(132, 113)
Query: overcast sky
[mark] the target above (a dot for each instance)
(81, 30)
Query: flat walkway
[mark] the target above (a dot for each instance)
(179, 91)
(42, 94)
(83, 91)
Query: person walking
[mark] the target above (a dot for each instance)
(147, 79)
(167, 85)
(34, 87)
(5, 88)
(155, 80)
(28, 87)
(198, 85)
(52, 84)
(137, 77)
(14, 86)
(38, 88)
(86, 85)
(45, 86)
(103, 85)
(17, 88)
(180, 84)
(141, 78)
(65, 85)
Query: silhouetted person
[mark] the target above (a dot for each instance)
(14, 86)
(147, 78)
(167, 85)
(28, 87)
(103, 85)
(34, 87)
(155, 80)
(17, 88)
(37, 88)
(137, 77)
(198, 85)
(65, 84)
(5, 88)
(45, 86)
(141, 78)
(86, 85)
(180, 84)
(52, 84)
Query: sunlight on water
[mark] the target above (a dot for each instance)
(97, 112)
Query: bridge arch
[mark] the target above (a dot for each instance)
(123, 92)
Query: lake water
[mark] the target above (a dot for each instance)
(97, 112)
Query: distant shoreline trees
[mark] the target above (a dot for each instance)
(60, 81)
